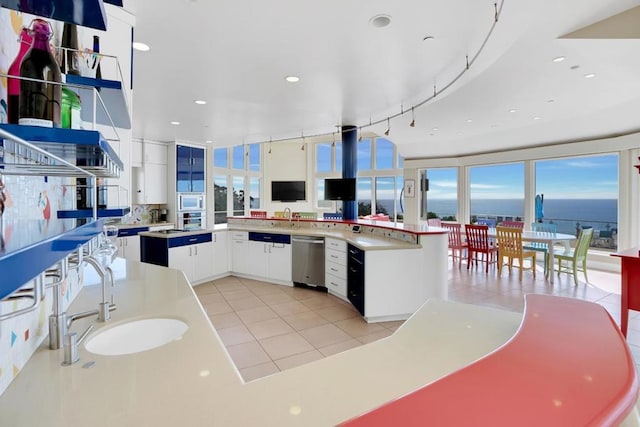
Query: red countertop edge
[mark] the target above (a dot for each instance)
(568, 364)
(397, 226)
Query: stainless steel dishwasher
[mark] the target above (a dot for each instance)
(307, 260)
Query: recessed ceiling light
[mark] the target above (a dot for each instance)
(513, 110)
(292, 79)
(558, 59)
(589, 76)
(175, 123)
(380, 21)
(208, 141)
(200, 102)
(469, 120)
(140, 46)
(536, 118)
(435, 129)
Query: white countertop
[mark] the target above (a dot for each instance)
(362, 240)
(169, 385)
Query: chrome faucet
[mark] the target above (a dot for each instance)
(60, 321)
(285, 214)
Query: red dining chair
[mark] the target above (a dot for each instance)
(478, 244)
(456, 245)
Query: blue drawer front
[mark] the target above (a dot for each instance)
(270, 238)
(189, 240)
(123, 232)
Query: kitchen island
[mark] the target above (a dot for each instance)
(192, 381)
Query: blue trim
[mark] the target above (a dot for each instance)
(25, 261)
(82, 147)
(154, 250)
(73, 79)
(350, 167)
(174, 242)
(270, 238)
(123, 232)
(88, 213)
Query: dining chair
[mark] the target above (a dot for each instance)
(434, 222)
(516, 224)
(510, 246)
(577, 257)
(547, 229)
(456, 244)
(478, 244)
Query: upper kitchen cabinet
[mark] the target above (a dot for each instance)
(190, 169)
(87, 13)
(149, 180)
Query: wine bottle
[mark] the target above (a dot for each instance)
(70, 63)
(13, 89)
(96, 52)
(41, 95)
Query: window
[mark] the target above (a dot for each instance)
(238, 157)
(221, 158)
(364, 155)
(381, 185)
(238, 168)
(220, 199)
(581, 192)
(384, 154)
(442, 197)
(497, 192)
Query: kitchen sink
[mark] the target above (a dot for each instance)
(172, 231)
(136, 336)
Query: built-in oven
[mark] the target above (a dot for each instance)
(192, 220)
(191, 202)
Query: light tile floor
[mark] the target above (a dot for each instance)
(268, 328)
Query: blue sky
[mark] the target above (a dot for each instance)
(593, 177)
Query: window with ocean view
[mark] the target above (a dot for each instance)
(581, 192)
(380, 176)
(442, 197)
(497, 192)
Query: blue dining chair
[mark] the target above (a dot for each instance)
(491, 223)
(539, 246)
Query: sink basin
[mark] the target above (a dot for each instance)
(136, 336)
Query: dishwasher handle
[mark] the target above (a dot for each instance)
(313, 241)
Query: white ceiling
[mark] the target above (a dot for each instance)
(236, 54)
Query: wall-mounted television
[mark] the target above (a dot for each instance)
(288, 191)
(340, 189)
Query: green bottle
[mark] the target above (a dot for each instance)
(71, 109)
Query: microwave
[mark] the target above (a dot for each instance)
(191, 202)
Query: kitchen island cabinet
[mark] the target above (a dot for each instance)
(192, 381)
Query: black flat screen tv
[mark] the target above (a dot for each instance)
(340, 189)
(288, 191)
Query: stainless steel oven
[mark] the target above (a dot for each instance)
(192, 220)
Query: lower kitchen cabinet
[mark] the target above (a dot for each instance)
(129, 247)
(270, 256)
(356, 277)
(239, 252)
(193, 260)
(335, 267)
(220, 253)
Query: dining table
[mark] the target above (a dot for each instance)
(551, 239)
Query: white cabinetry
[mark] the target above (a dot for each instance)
(335, 262)
(220, 253)
(239, 252)
(129, 247)
(193, 260)
(150, 180)
(270, 256)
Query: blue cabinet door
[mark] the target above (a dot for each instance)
(183, 168)
(197, 169)
(190, 169)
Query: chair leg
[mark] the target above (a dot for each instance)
(584, 269)
(575, 272)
